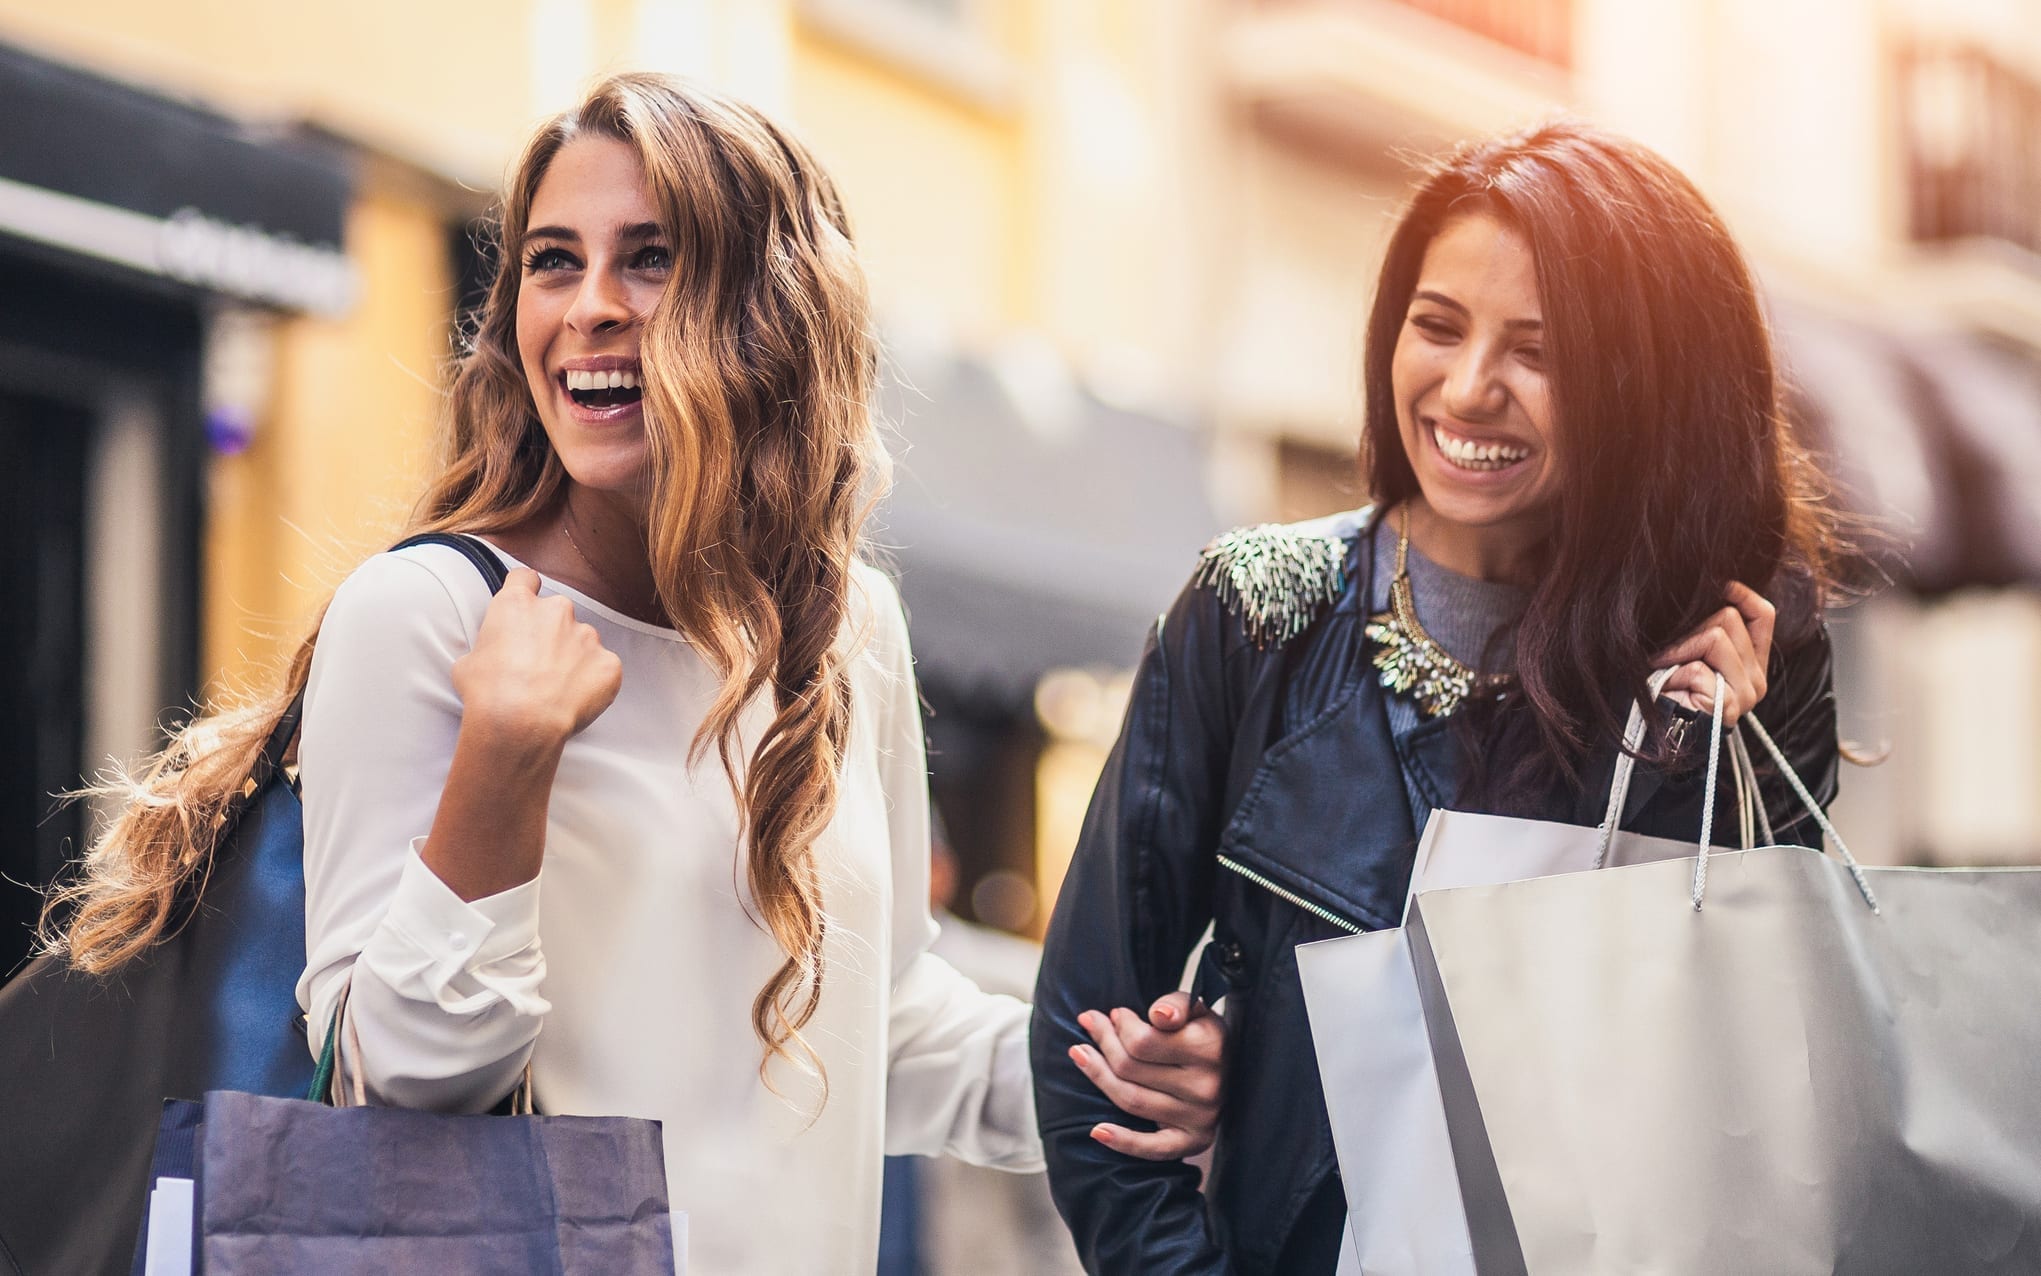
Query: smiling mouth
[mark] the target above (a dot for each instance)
(1466, 454)
(613, 389)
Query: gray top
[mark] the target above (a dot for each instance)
(1463, 614)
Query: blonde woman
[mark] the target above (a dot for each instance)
(653, 820)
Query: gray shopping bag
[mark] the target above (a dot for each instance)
(1368, 1027)
(1764, 1061)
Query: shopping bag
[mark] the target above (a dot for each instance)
(1405, 1216)
(264, 1186)
(1760, 1061)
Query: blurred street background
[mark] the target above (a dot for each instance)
(1121, 251)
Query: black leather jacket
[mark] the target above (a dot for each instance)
(1236, 763)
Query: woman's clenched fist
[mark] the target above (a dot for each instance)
(535, 675)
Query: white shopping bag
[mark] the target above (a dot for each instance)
(1404, 1212)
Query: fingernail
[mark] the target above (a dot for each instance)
(1101, 1135)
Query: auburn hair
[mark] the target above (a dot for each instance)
(1680, 472)
(758, 366)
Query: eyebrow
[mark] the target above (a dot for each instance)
(1441, 299)
(567, 234)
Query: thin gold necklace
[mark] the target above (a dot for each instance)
(1411, 661)
(602, 577)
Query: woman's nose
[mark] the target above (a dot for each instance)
(1472, 390)
(600, 303)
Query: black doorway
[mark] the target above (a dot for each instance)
(42, 522)
(73, 341)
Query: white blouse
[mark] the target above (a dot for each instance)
(629, 988)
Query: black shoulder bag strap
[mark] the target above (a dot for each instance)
(278, 745)
(474, 550)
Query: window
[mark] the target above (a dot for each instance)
(1968, 124)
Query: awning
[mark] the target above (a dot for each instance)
(103, 170)
(1034, 537)
(1935, 435)
(1990, 397)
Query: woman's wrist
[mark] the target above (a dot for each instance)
(489, 833)
(521, 747)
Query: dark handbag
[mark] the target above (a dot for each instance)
(283, 1186)
(86, 1061)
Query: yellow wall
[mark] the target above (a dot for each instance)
(932, 181)
(342, 453)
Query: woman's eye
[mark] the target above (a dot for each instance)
(1436, 329)
(652, 257)
(544, 259)
(1532, 355)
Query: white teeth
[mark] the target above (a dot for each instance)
(614, 379)
(1476, 456)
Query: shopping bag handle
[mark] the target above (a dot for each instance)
(1747, 777)
(1750, 806)
(1799, 790)
(327, 1077)
(1626, 766)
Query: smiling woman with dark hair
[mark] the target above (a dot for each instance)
(1582, 474)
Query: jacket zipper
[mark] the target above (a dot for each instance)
(1323, 914)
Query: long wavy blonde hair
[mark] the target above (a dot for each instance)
(757, 365)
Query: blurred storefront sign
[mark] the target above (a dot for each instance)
(120, 176)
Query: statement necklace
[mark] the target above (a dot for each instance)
(1411, 661)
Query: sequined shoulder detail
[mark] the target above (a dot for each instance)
(1277, 577)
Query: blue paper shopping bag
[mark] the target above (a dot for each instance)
(286, 1186)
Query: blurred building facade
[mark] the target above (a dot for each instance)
(1878, 160)
(1122, 251)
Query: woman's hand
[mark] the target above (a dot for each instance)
(535, 676)
(1735, 642)
(1165, 1069)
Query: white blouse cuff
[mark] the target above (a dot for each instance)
(462, 955)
